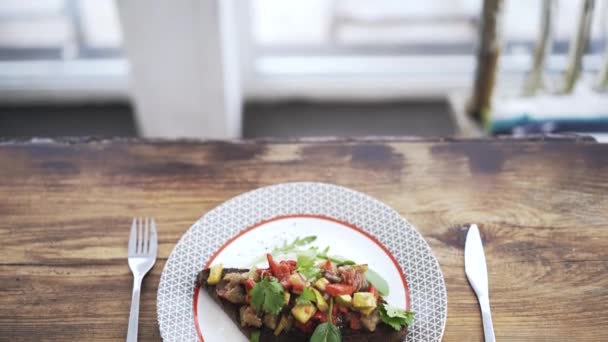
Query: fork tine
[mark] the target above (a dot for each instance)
(153, 239)
(140, 236)
(145, 242)
(133, 237)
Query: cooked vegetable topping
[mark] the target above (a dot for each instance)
(339, 289)
(363, 300)
(395, 317)
(215, 274)
(301, 293)
(344, 300)
(321, 283)
(303, 312)
(267, 296)
(321, 303)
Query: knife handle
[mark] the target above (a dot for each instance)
(486, 316)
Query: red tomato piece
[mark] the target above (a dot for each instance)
(249, 284)
(339, 289)
(286, 284)
(374, 291)
(291, 263)
(326, 266)
(274, 267)
(355, 321)
(285, 270)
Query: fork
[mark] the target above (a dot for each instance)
(142, 255)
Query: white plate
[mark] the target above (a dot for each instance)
(354, 225)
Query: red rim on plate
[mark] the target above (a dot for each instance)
(321, 217)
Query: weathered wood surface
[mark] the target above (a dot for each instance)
(542, 207)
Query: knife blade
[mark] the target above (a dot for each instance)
(477, 274)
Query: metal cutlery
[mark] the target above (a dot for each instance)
(477, 273)
(142, 255)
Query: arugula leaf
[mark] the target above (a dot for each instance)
(327, 332)
(379, 282)
(339, 261)
(255, 336)
(307, 265)
(267, 296)
(290, 247)
(395, 317)
(287, 248)
(306, 297)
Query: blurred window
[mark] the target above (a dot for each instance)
(429, 45)
(308, 48)
(59, 29)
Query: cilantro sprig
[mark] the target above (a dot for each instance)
(306, 297)
(307, 265)
(395, 317)
(267, 296)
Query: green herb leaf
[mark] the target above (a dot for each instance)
(267, 296)
(255, 336)
(287, 248)
(339, 261)
(307, 265)
(306, 297)
(379, 282)
(323, 253)
(395, 317)
(327, 332)
(306, 240)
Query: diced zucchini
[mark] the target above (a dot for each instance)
(321, 303)
(215, 274)
(281, 326)
(364, 300)
(286, 296)
(344, 300)
(367, 311)
(303, 312)
(321, 284)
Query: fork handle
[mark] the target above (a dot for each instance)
(134, 315)
(486, 316)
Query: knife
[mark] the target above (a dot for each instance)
(477, 273)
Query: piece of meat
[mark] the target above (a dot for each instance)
(351, 276)
(364, 285)
(248, 317)
(232, 292)
(234, 278)
(370, 321)
(270, 321)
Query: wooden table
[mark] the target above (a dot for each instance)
(542, 206)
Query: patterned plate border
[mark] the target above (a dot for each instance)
(177, 284)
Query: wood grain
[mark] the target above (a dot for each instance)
(542, 207)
